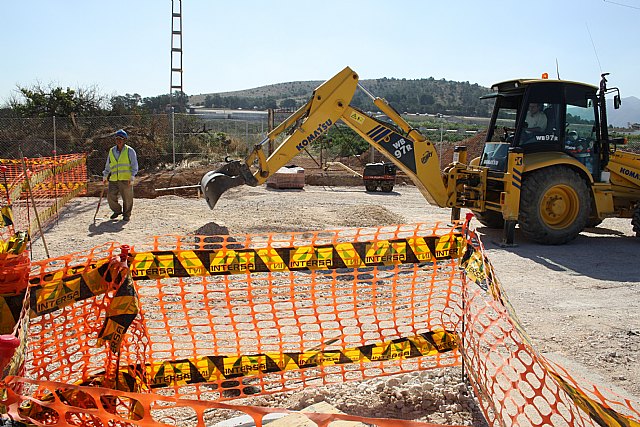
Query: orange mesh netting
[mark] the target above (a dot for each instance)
(220, 317)
(516, 385)
(303, 300)
(15, 266)
(53, 181)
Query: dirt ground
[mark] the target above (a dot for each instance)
(580, 302)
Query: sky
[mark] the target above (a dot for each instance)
(123, 47)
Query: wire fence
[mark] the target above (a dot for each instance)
(166, 140)
(160, 140)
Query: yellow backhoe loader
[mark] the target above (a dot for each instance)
(548, 163)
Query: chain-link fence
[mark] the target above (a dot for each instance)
(167, 140)
(160, 140)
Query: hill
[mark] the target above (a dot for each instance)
(278, 90)
(629, 112)
(411, 95)
(414, 96)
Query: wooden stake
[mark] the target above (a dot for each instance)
(35, 210)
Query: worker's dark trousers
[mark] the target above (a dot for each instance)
(126, 192)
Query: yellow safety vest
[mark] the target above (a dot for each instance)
(120, 167)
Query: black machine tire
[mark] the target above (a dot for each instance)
(370, 187)
(554, 205)
(491, 219)
(635, 221)
(387, 188)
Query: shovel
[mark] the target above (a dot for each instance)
(99, 202)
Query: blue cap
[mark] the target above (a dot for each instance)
(120, 133)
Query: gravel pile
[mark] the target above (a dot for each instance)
(435, 396)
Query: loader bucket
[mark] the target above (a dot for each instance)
(214, 183)
(232, 174)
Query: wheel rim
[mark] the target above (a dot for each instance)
(560, 206)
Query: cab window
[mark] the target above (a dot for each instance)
(505, 125)
(540, 124)
(580, 134)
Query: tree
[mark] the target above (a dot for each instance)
(161, 103)
(426, 99)
(127, 104)
(6, 111)
(288, 103)
(267, 102)
(212, 101)
(39, 101)
(344, 141)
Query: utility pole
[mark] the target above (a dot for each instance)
(176, 48)
(176, 66)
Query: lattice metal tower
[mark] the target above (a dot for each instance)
(176, 48)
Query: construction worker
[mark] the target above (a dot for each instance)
(536, 119)
(535, 123)
(120, 171)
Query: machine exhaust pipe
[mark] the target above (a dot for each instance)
(215, 183)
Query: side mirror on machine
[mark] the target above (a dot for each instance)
(617, 102)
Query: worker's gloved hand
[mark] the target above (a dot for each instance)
(131, 180)
(104, 181)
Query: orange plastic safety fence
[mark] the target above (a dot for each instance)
(63, 334)
(517, 386)
(231, 328)
(204, 319)
(14, 272)
(14, 303)
(52, 182)
(56, 404)
(14, 310)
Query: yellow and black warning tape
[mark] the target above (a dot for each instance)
(211, 369)
(60, 288)
(39, 177)
(601, 414)
(214, 368)
(14, 246)
(6, 216)
(53, 209)
(10, 310)
(187, 263)
(59, 186)
(47, 161)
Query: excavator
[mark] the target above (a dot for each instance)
(548, 163)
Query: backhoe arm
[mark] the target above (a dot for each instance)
(315, 118)
(410, 151)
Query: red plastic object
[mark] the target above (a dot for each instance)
(8, 345)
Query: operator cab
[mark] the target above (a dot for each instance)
(543, 115)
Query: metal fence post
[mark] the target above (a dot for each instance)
(55, 147)
(173, 134)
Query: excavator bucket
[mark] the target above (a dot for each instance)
(215, 183)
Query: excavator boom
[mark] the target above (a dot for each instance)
(407, 149)
(411, 152)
